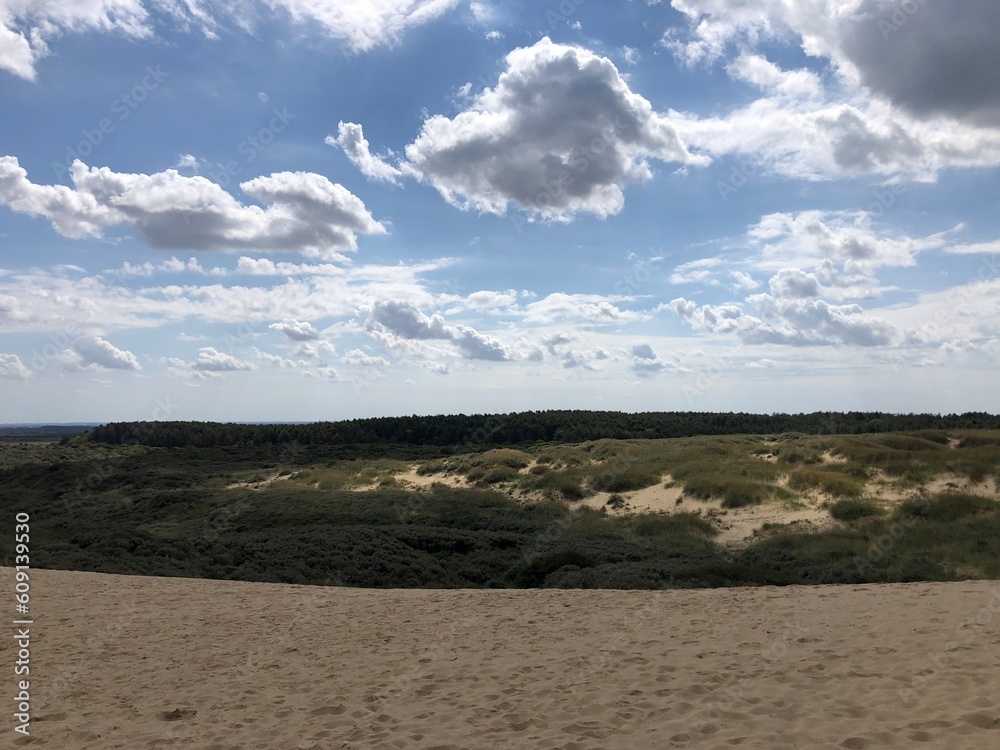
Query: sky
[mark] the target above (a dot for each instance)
(298, 210)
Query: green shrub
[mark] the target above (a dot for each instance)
(831, 482)
(673, 525)
(623, 480)
(431, 467)
(852, 510)
(616, 501)
(496, 475)
(736, 492)
(948, 507)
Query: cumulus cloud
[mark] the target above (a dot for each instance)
(13, 368)
(794, 283)
(312, 351)
(305, 211)
(796, 322)
(365, 24)
(351, 139)
(212, 360)
(645, 361)
(914, 90)
(701, 271)
(592, 308)
(172, 265)
(475, 345)
(274, 359)
(561, 133)
(359, 358)
(489, 300)
(396, 324)
(94, 352)
(406, 320)
(26, 28)
(296, 331)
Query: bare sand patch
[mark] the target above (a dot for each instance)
(413, 479)
(139, 663)
(259, 485)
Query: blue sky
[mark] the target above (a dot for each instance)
(300, 209)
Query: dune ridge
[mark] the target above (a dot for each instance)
(143, 662)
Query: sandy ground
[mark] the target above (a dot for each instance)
(130, 662)
(737, 526)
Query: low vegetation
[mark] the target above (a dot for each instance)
(341, 513)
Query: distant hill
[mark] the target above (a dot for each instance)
(41, 432)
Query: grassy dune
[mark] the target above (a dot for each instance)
(891, 507)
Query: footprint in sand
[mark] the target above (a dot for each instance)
(981, 720)
(177, 713)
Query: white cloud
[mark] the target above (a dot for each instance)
(794, 283)
(212, 360)
(274, 359)
(794, 322)
(305, 211)
(351, 139)
(27, 27)
(629, 54)
(645, 361)
(365, 24)
(173, 265)
(492, 301)
(404, 319)
(187, 161)
(359, 358)
(90, 352)
(591, 308)
(911, 92)
(743, 281)
(296, 331)
(312, 351)
(475, 345)
(701, 271)
(13, 368)
(561, 133)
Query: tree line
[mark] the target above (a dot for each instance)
(478, 431)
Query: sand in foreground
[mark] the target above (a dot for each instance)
(129, 662)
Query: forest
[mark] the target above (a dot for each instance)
(525, 428)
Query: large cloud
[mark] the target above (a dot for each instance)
(915, 89)
(404, 319)
(794, 322)
(933, 57)
(560, 133)
(305, 211)
(26, 26)
(90, 352)
(404, 323)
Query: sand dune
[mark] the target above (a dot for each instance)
(130, 662)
